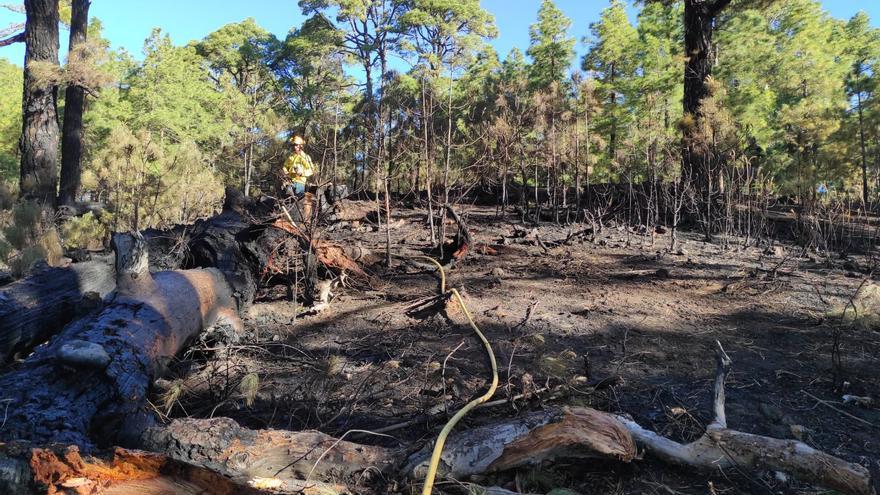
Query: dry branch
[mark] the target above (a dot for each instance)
(575, 433)
(721, 448)
(329, 254)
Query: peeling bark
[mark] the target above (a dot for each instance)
(575, 433)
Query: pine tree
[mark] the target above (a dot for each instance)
(550, 48)
(237, 56)
(612, 62)
(864, 50)
(39, 135)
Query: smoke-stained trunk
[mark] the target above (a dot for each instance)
(74, 105)
(39, 133)
(699, 24)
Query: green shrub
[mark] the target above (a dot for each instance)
(29, 236)
(7, 197)
(85, 232)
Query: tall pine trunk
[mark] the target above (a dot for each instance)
(699, 25)
(865, 195)
(74, 105)
(39, 133)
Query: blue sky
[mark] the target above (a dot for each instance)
(128, 23)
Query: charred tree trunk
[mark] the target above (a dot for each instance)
(88, 385)
(74, 105)
(33, 309)
(93, 376)
(39, 134)
(699, 25)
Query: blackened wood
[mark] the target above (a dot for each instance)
(36, 307)
(146, 322)
(39, 135)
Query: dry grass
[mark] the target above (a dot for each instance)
(249, 386)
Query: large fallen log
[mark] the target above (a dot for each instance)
(92, 379)
(294, 458)
(34, 308)
(313, 462)
(236, 242)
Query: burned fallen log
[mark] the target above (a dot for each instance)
(92, 377)
(294, 459)
(297, 458)
(312, 462)
(34, 308)
(88, 384)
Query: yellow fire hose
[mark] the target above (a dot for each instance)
(441, 438)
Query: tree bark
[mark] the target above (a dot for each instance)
(87, 387)
(699, 25)
(223, 446)
(34, 308)
(39, 136)
(74, 105)
(865, 195)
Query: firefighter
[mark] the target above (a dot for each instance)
(298, 168)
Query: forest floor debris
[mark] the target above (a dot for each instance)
(610, 320)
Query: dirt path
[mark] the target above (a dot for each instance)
(615, 311)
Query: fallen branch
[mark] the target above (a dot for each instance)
(837, 409)
(722, 448)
